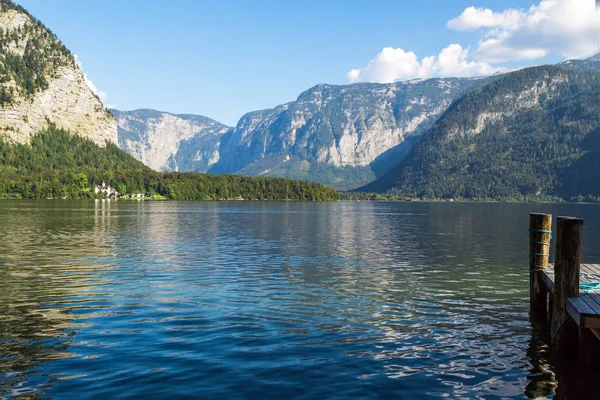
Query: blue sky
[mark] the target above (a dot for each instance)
(224, 58)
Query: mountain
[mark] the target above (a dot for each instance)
(340, 135)
(41, 83)
(345, 136)
(532, 134)
(591, 64)
(168, 142)
(57, 140)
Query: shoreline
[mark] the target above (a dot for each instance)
(437, 201)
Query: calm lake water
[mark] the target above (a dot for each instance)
(273, 300)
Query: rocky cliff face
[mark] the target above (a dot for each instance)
(340, 135)
(170, 142)
(41, 83)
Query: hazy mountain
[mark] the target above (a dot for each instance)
(169, 142)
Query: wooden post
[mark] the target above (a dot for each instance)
(569, 233)
(540, 226)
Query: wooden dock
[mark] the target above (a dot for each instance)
(564, 295)
(585, 309)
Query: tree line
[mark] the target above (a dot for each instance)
(57, 164)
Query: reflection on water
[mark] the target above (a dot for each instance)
(273, 299)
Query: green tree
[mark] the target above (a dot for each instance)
(81, 180)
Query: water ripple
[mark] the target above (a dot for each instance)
(245, 300)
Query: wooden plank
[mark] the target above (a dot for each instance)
(581, 306)
(589, 299)
(596, 332)
(587, 269)
(584, 268)
(573, 310)
(591, 322)
(585, 309)
(595, 307)
(594, 267)
(548, 277)
(593, 299)
(548, 280)
(582, 313)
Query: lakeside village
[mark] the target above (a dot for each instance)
(111, 193)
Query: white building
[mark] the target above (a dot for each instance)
(106, 190)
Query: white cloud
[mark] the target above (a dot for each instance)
(474, 18)
(389, 65)
(570, 28)
(397, 64)
(101, 95)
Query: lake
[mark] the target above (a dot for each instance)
(273, 300)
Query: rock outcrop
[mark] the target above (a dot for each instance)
(41, 84)
(168, 142)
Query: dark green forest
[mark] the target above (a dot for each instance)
(57, 164)
(541, 142)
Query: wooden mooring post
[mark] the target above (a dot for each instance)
(540, 233)
(574, 322)
(565, 332)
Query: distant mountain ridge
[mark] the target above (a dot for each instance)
(344, 135)
(170, 142)
(591, 64)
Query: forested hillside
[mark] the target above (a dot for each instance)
(59, 165)
(532, 134)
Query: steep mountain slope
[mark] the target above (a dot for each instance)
(169, 142)
(41, 83)
(340, 135)
(531, 134)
